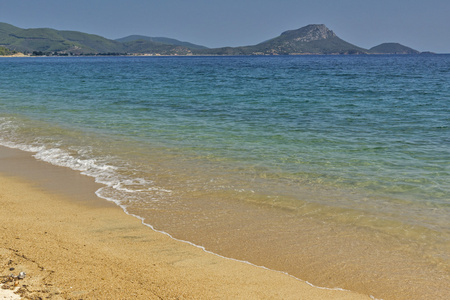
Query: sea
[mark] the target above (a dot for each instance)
(333, 169)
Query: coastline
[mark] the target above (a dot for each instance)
(74, 245)
(15, 55)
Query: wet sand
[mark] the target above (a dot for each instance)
(73, 245)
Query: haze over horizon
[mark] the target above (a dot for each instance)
(416, 24)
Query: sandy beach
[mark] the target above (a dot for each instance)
(15, 55)
(73, 245)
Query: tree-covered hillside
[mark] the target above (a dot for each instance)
(4, 51)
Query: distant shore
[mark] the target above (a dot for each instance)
(71, 244)
(15, 55)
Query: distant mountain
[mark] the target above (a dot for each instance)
(311, 39)
(169, 41)
(51, 40)
(46, 41)
(150, 47)
(392, 48)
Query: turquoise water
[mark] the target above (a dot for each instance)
(368, 135)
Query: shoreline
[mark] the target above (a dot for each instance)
(16, 55)
(75, 246)
(218, 55)
(353, 266)
(343, 257)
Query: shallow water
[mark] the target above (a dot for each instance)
(281, 161)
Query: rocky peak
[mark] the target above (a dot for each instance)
(309, 33)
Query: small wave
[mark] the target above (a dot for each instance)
(138, 185)
(60, 157)
(121, 185)
(121, 182)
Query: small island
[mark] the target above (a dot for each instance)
(392, 48)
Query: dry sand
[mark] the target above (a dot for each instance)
(80, 250)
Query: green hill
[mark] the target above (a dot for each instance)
(45, 40)
(311, 39)
(51, 40)
(169, 41)
(392, 48)
(150, 47)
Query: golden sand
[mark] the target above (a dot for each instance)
(73, 250)
(16, 55)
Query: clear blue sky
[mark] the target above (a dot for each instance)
(422, 25)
